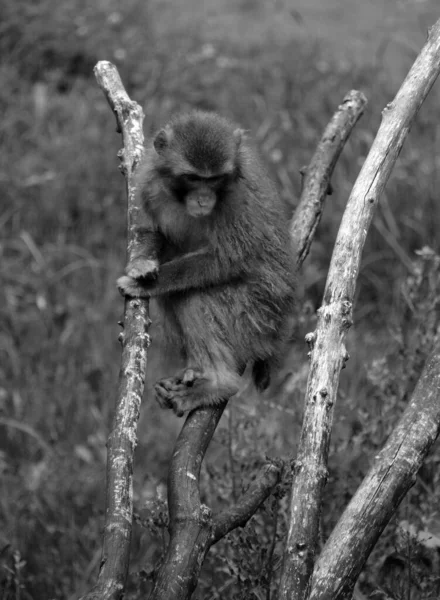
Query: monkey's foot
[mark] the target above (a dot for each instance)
(141, 267)
(132, 288)
(185, 391)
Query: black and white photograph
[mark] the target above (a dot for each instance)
(219, 300)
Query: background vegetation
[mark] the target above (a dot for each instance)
(280, 69)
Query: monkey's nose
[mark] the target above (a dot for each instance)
(203, 201)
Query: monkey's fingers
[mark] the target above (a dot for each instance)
(143, 268)
(177, 411)
(170, 384)
(128, 286)
(166, 398)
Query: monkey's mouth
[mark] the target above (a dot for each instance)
(199, 211)
(200, 205)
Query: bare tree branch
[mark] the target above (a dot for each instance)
(392, 475)
(316, 178)
(248, 503)
(328, 353)
(192, 530)
(190, 521)
(122, 440)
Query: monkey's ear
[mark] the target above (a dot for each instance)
(162, 140)
(239, 135)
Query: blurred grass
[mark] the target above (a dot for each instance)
(280, 73)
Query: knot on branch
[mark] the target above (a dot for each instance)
(310, 341)
(345, 356)
(205, 514)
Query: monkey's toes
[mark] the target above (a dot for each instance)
(163, 396)
(166, 397)
(191, 375)
(169, 384)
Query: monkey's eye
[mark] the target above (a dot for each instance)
(215, 179)
(192, 177)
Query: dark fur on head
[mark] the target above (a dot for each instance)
(206, 141)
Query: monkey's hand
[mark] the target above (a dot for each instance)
(128, 286)
(141, 267)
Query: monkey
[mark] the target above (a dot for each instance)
(216, 255)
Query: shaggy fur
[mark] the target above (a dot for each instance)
(225, 279)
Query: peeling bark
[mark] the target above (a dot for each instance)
(135, 340)
(327, 349)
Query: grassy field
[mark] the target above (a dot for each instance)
(280, 69)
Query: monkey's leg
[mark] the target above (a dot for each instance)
(194, 387)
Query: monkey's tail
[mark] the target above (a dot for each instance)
(261, 374)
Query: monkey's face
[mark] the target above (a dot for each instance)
(200, 194)
(197, 160)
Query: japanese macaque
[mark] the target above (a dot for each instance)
(216, 255)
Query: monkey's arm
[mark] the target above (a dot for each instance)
(144, 253)
(195, 270)
(199, 269)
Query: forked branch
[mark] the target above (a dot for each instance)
(392, 475)
(327, 349)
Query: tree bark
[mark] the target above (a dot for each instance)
(327, 349)
(316, 177)
(135, 340)
(193, 529)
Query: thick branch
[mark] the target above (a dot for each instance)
(192, 530)
(122, 440)
(190, 522)
(317, 175)
(393, 473)
(328, 353)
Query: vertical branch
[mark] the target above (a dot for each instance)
(328, 353)
(134, 338)
(190, 522)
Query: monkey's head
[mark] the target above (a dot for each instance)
(197, 159)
